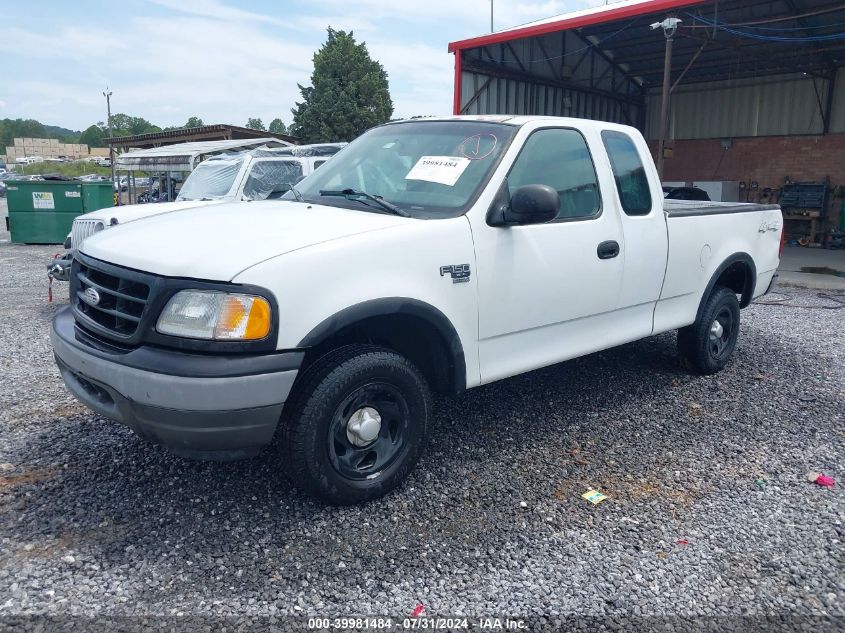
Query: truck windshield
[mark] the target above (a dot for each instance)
(210, 180)
(426, 168)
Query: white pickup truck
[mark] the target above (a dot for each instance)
(256, 174)
(429, 255)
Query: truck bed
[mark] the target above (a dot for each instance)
(694, 208)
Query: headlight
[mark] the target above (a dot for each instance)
(209, 314)
(99, 226)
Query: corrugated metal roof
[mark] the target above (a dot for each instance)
(183, 156)
(178, 135)
(574, 20)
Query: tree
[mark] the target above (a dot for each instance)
(255, 124)
(125, 125)
(10, 129)
(194, 121)
(348, 94)
(93, 136)
(277, 126)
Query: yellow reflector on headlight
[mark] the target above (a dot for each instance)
(243, 317)
(215, 315)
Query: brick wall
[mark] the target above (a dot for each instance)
(766, 159)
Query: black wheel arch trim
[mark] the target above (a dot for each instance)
(750, 280)
(390, 306)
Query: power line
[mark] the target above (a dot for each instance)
(766, 38)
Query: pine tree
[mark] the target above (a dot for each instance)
(277, 126)
(348, 94)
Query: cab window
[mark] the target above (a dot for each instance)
(629, 173)
(560, 159)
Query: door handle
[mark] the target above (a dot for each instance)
(608, 249)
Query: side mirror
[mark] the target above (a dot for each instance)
(533, 204)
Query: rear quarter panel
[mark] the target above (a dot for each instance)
(699, 244)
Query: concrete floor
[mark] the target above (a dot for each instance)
(793, 271)
(796, 262)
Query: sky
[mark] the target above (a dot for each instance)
(227, 60)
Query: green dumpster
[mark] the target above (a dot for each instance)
(42, 211)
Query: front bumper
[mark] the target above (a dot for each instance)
(200, 405)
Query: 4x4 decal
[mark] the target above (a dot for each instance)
(459, 272)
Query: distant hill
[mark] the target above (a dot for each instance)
(56, 131)
(29, 128)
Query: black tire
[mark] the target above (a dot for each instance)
(700, 349)
(317, 439)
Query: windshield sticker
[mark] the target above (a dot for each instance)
(440, 169)
(478, 146)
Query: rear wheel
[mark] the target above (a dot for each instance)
(706, 346)
(356, 424)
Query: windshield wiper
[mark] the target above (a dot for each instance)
(296, 194)
(351, 194)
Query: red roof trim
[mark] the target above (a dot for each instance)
(599, 17)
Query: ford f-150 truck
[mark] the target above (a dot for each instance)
(256, 174)
(429, 255)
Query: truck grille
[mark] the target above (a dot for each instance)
(81, 230)
(108, 299)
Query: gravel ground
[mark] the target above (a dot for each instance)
(709, 512)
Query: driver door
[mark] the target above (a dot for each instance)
(547, 292)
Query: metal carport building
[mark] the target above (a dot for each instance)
(757, 86)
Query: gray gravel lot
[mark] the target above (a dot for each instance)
(709, 511)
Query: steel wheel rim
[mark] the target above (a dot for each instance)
(720, 333)
(371, 459)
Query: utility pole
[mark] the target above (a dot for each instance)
(107, 94)
(491, 16)
(669, 26)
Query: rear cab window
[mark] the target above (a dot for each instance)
(628, 172)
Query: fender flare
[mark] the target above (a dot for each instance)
(750, 280)
(390, 306)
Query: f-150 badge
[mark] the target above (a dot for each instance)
(459, 272)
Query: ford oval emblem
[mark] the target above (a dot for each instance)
(91, 296)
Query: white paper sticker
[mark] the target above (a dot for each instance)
(443, 169)
(72, 194)
(43, 200)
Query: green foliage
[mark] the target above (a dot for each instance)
(76, 168)
(194, 121)
(10, 129)
(277, 126)
(125, 125)
(93, 136)
(255, 124)
(62, 133)
(348, 94)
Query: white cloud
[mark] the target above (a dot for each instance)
(225, 64)
(218, 11)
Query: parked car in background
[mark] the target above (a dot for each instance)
(429, 255)
(685, 193)
(252, 175)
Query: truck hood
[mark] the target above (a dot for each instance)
(131, 212)
(218, 243)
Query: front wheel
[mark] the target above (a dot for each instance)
(706, 346)
(356, 424)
